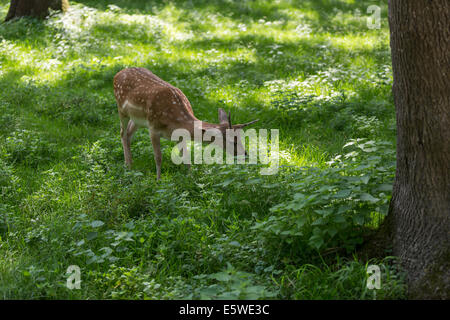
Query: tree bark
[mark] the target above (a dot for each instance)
(34, 8)
(418, 219)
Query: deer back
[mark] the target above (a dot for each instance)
(151, 101)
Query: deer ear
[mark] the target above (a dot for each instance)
(240, 126)
(223, 118)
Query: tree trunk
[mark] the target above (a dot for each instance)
(418, 218)
(34, 8)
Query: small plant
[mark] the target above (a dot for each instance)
(28, 147)
(331, 208)
(231, 284)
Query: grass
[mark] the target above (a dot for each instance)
(311, 69)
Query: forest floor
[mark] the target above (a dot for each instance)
(312, 69)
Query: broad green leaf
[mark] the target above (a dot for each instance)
(324, 212)
(316, 242)
(359, 219)
(385, 187)
(97, 223)
(220, 276)
(339, 219)
(365, 179)
(301, 221)
(342, 193)
(91, 236)
(343, 209)
(319, 222)
(107, 251)
(368, 197)
(332, 231)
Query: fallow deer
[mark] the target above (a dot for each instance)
(145, 100)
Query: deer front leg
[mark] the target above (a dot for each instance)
(125, 140)
(157, 152)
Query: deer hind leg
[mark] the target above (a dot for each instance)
(124, 122)
(157, 152)
(131, 129)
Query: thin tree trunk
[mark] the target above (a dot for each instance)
(34, 8)
(419, 212)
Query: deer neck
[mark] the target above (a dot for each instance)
(197, 128)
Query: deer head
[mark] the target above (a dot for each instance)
(231, 134)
